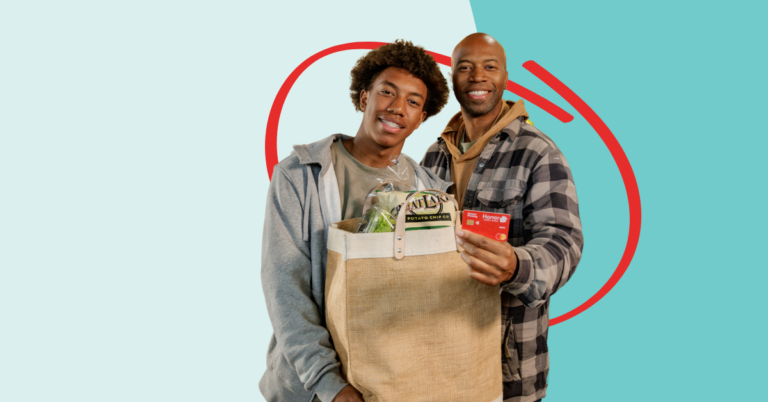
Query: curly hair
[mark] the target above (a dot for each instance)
(405, 55)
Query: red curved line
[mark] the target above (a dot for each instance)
(630, 183)
(440, 58)
(537, 100)
(627, 174)
(270, 143)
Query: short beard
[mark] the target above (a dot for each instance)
(477, 110)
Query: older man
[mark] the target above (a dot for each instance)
(500, 163)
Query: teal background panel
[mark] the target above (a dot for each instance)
(682, 87)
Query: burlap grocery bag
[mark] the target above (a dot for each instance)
(407, 321)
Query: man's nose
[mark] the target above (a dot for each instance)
(477, 74)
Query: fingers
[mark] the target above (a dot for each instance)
(482, 272)
(490, 262)
(349, 394)
(483, 260)
(494, 246)
(495, 253)
(491, 259)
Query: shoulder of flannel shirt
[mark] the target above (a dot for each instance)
(435, 158)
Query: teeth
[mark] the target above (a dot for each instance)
(478, 92)
(389, 123)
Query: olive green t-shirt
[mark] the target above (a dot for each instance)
(465, 146)
(356, 180)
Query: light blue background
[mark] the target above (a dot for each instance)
(132, 183)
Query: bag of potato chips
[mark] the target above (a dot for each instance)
(424, 210)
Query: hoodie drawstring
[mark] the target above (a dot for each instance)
(307, 202)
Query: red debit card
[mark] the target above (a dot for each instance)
(488, 224)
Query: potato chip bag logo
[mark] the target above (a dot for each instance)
(423, 203)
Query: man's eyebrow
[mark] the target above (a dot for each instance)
(395, 86)
(468, 61)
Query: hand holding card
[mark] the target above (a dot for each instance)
(490, 258)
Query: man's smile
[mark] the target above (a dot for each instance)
(478, 94)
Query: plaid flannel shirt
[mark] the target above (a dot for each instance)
(521, 172)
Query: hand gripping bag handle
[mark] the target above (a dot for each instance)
(400, 225)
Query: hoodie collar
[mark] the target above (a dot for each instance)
(510, 112)
(317, 152)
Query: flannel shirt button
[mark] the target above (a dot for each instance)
(481, 164)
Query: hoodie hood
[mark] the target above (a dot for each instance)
(509, 112)
(318, 151)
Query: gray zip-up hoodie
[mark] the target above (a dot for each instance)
(303, 201)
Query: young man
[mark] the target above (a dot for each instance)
(499, 163)
(396, 86)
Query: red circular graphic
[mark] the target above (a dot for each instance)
(627, 174)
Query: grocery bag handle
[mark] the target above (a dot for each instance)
(400, 225)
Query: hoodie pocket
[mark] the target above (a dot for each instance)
(510, 366)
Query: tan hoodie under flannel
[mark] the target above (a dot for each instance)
(462, 165)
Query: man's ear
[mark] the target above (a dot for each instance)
(363, 99)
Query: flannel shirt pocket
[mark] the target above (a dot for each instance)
(500, 194)
(506, 197)
(510, 366)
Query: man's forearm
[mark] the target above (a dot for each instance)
(552, 231)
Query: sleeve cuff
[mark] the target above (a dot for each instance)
(524, 275)
(329, 385)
